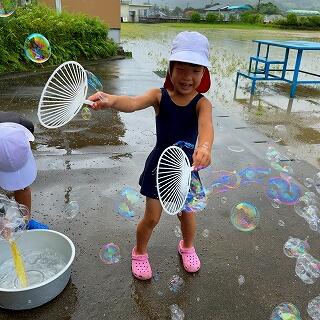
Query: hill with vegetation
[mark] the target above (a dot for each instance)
(283, 4)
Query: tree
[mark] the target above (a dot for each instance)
(177, 12)
(195, 17)
(268, 8)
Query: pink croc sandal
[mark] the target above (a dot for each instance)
(190, 259)
(140, 266)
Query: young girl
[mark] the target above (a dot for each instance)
(182, 114)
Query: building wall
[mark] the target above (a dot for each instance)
(132, 12)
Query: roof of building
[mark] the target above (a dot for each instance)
(230, 8)
(303, 12)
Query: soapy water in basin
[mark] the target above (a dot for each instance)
(40, 265)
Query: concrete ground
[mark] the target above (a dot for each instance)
(91, 161)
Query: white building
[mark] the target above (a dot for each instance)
(131, 12)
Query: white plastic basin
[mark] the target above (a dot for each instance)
(39, 293)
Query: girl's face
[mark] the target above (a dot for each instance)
(186, 77)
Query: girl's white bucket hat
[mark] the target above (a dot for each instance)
(191, 47)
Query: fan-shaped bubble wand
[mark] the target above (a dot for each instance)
(173, 179)
(63, 95)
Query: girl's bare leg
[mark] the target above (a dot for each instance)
(147, 224)
(188, 228)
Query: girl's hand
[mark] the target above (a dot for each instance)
(101, 100)
(201, 157)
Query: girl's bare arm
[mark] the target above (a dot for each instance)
(126, 103)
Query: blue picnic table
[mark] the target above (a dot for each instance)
(270, 65)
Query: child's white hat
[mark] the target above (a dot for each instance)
(17, 165)
(191, 47)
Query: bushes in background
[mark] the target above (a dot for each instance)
(71, 36)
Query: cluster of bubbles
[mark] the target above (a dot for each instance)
(285, 311)
(294, 247)
(308, 208)
(110, 253)
(307, 267)
(130, 200)
(14, 218)
(7, 8)
(245, 216)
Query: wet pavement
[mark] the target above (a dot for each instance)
(91, 161)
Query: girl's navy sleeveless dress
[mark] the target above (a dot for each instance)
(173, 123)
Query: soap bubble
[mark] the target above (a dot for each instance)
(235, 148)
(308, 182)
(177, 231)
(283, 190)
(176, 312)
(110, 253)
(224, 181)
(131, 195)
(294, 247)
(196, 199)
(307, 268)
(241, 280)
(245, 216)
(314, 308)
(175, 283)
(37, 48)
(285, 311)
(308, 211)
(124, 211)
(253, 174)
(71, 209)
(86, 113)
(7, 8)
(130, 201)
(282, 166)
(205, 233)
(273, 155)
(93, 81)
(279, 132)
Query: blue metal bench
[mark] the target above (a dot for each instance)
(265, 74)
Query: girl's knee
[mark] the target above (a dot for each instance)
(151, 222)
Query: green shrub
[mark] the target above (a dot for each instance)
(195, 17)
(292, 19)
(253, 18)
(212, 17)
(71, 36)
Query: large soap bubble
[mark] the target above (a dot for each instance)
(37, 48)
(245, 216)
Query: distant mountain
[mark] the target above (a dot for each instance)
(283, 4)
